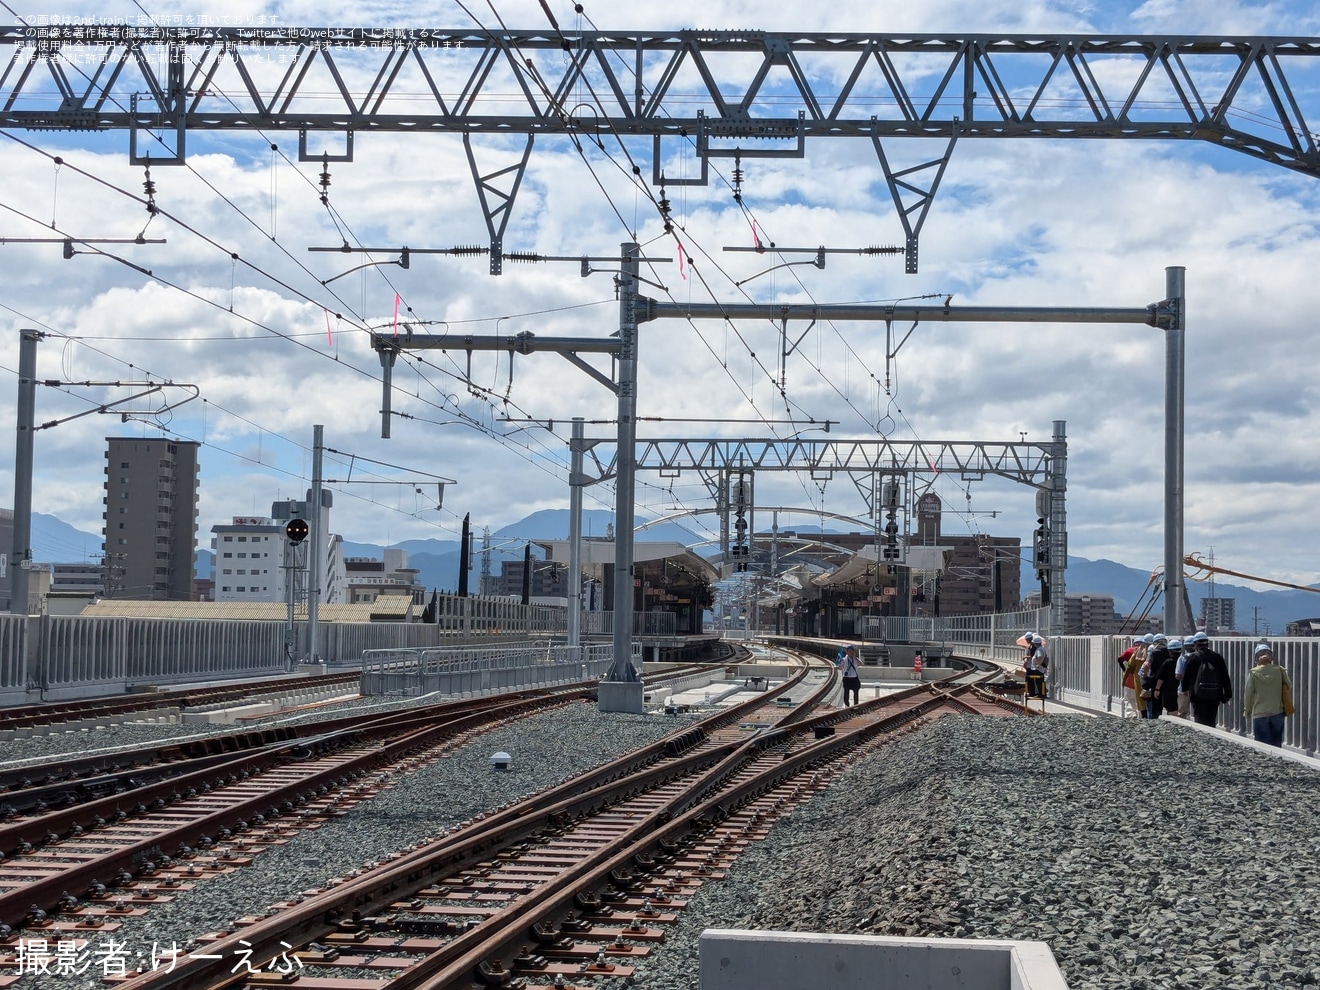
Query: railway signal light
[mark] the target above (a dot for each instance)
(296, 530)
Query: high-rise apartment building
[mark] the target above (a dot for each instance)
(1218, 615)
(150, 518)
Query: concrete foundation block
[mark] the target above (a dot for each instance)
(225, 716)
(754, 960)
(621, 696)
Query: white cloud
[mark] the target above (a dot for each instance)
(1016, 223)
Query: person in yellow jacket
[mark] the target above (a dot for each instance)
(1262, 700)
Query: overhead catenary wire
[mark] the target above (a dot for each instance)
(703, 280)
(633, 173)
(211, 302)
(234, 256)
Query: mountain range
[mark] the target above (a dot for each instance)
(1258, 612)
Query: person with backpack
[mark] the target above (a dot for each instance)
(1206, 681)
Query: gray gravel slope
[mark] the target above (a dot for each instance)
(1146, 855)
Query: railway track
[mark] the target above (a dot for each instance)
(577, 881)
(57, 712)
(136, 833)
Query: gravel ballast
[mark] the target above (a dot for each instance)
(1146, 855)
(545, 749)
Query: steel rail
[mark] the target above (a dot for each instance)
(46, 893)
(686, 751)
(455, 965)
(81, 779)
(368, 896)
(225, 753)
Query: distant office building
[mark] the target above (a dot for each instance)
(1218, 615)
(254, 562)
(248, 558)
(78, 578)
(150, 518)
(549, 579)
(366, 578)
(1084, 614)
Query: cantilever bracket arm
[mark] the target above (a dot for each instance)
(899, 184)
(604, 379)
(155, 387)
(497, 216)
(818, 262)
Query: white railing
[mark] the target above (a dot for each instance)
(1083, 672)
(78, 656)
(996, 633)
(644, 623)
(473, 670)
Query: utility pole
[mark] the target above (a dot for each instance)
(483, 586)
(1175, 587)
(316, 539)
(20, 560)
(621, 691)
(575, 482)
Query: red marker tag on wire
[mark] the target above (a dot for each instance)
(396, 314)
(329, 334)
(681, 270)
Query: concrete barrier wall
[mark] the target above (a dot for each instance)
(13, 659)
(80, 657)
(757, 960)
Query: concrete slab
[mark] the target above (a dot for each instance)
(621, 696)
(754, 960)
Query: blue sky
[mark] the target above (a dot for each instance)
(1016, 222)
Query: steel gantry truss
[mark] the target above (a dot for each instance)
(720, 94)
(721, 462)
(1025, 463)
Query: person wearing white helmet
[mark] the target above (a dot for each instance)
(1166, 680)
(1156, 654)
(1189, 648)
(1266, 697)
(1206, 681)
(1035, 665)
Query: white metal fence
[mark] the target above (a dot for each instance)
(644, 623)
(997, 633)
(58, 657)
(1083, 672)
(463, 670)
